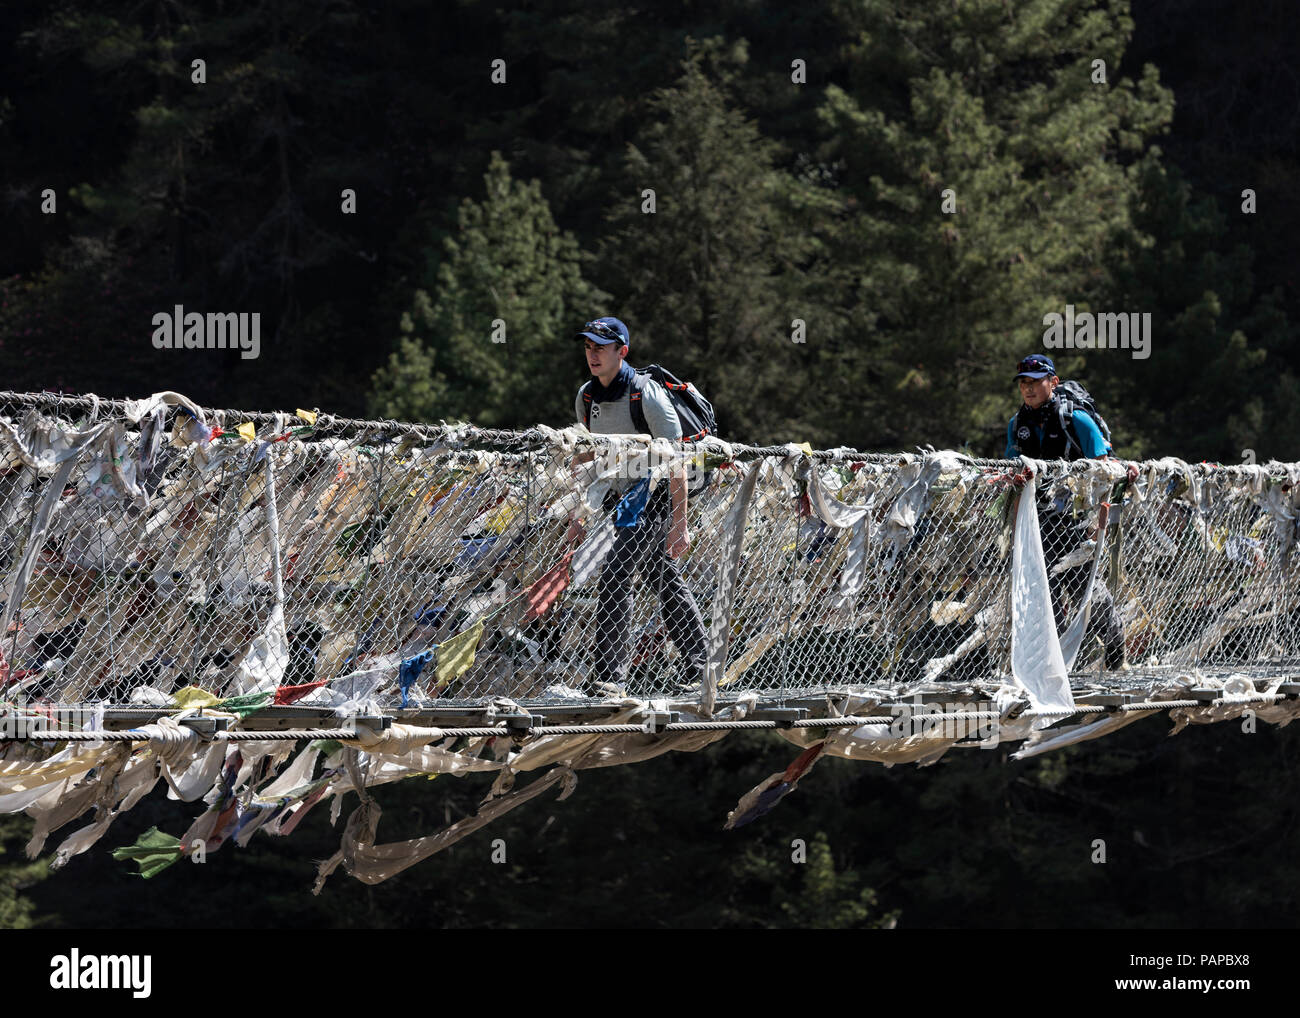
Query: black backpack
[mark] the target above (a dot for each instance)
(1072, 396)
(693, 410)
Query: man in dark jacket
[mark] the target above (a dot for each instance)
(1046, 427)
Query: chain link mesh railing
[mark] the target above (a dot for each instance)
(151, 546)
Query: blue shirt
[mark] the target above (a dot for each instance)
(1085, 431)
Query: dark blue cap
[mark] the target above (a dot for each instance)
(605, 331)
(1036, 365)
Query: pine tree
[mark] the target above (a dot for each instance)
(510, 297)
(1216, 380)
(993, 168)
(710, 283)
(17, 874)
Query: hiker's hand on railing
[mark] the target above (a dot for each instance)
(679, 539)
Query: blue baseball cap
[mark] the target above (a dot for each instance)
(1036, 365)
(605, 331)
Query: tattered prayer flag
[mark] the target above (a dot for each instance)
(760, 799)
(729, 560)
(153, 851)
(246, 431)
(410, 672)
(499, 520)
(307, 415)
(1037, 664)
(547, 588)
(292, 817)
(285, 695)
(592, 553)
(246, 703)
(474, 550)
(457, 654)
(225, 824)
(193, 696)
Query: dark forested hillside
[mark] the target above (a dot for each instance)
(387, 181)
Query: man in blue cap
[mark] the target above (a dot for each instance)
(1048, 427)
(658, 535)
(1041, 429)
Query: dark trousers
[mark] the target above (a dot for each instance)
(1061, 535)
(642, 549)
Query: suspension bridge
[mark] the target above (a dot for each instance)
(265, 611)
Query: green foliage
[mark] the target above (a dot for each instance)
(409, 387)
(943, 99)
(712, 279)
(1216, 346)
(17, 874)
(510, 298)
(823, 897)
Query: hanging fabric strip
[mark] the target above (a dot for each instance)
(592, 553)
(373, 864)
(720, 627)
(857, 518)
(263, 665)
(547, 589)
(1037, 665)
(17, 584)
(760, 800)
(410, 671)
(1072, 639)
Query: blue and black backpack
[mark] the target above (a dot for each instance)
(1071, 395)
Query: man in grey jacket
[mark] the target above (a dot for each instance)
(658, 536)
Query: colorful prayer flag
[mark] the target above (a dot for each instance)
(193, 696)
(245, 704)
(547, 589)
(759, 800)
(457, 654)
(153, 852)
(285, 695)
(409, 673)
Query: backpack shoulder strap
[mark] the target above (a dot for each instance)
(635, 392)
(1065, 408)
(1014, 428)
(585, 392)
